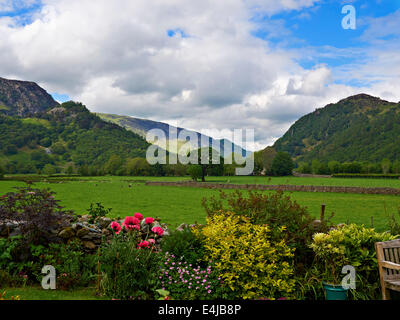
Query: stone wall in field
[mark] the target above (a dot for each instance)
(359, 190)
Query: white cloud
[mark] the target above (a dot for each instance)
(116, 57)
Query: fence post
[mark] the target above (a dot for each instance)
(322, 212)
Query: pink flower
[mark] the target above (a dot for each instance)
(116, 227)
(143, 244)
(138, 216)
(131, 223)
(158, 230)
(152, 241)
(149, 220)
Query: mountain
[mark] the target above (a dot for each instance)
(36, 131)
(22, 98)
(142, 126)
(358, 128)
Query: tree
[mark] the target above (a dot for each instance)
(396, 166)
(282, 165)
(334, 167)
(138, 167)
(210, 163)
(70, 170)
(386, 164)
(304, 167)
(49, 169)
(263, 160)
(195, 172)
(113, 164)
(1, 172)
(316, 166)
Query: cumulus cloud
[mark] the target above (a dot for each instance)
(120, 57)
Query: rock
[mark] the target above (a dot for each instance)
(105, 222)
(67, 233)
(316, 224)
(91, 236)
(16, 232)
(82, 232)
(89, 245)
(182, 227)
(84, 218)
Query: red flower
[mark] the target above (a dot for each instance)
(144, 244)
(158, 230)
(139, 216)
(116, 227)
(131, 223)
(149, 220)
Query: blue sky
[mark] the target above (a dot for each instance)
(319, 28)
(203, 63)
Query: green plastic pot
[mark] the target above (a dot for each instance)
(335, 291)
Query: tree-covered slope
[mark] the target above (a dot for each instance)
(361, 127)
(36, 131)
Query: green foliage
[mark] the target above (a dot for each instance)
(76, 135)
(282, 165)
(128, 272)
(263, 160)
(74, 267)
(359, 128)
(304, 167)
(184, 245)
(275, 210)
(49, 169)
(195, 172)
(350, 245)
(138, 167)
(250, 262)
(394, 224)
(187, 281)
(21, 263)
(96, 212)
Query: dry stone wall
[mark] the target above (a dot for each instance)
(336, 189)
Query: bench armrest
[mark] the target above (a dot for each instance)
(390, 265)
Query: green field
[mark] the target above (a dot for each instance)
(176, 205)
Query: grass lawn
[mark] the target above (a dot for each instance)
(37, 293)
(176, 205)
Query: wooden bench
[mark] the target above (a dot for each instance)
(388, 255)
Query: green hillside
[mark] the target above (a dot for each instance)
(37, 133)
(359, 128)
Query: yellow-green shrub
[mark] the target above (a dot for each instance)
(248, 262)
(350, 245)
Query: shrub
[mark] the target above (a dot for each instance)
(350, 245)
(186, 281)
(96, 212)
(184, 245)
(394, 224)
(249, 262)
(276, 210)
(127, 271)
(130, 262)
(282, 165)
(37, 212)
(24, 262)
(74, 267)
(195, 172)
